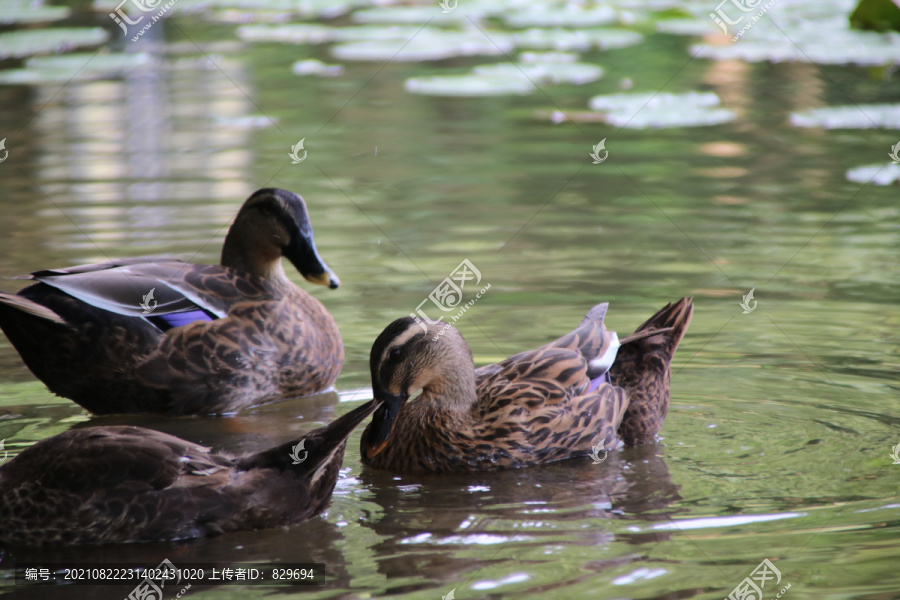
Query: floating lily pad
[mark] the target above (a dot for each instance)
(312, 66)
(297, 33)
(834, 47)
(27, 11)
(687, 27)
(82, 66)
(469, 85)
(580, 39)
(863, 116)
(638, 100)
(575, 73)
(245, 123)
(308, 9)
(428, 44)
(875, 174)
(663, 110)
(681, 116)
(548, 57)
(380, 43)
(553, 15)
(19, 44)
(302, 33)
(430, 13)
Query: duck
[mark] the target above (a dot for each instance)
(161, 335)
(120, 484)
(580, 395)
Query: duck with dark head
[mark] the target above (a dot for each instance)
(582, 392)
(155, 334)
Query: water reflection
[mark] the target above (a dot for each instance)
(425, 521)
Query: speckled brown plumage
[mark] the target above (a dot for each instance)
(219, 338)
(642, 368)
(129, 484)
(535, 407)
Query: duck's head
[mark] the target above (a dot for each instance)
(412, 355)
(273, 223)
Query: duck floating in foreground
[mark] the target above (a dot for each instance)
(161, 335)
(580, 392)
(129, 484)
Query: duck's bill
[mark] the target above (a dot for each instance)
(303, 254)
(382, 423)
(327, 279)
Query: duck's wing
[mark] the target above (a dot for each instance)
(166, 294)
(112, 484)
(643, 369)
(590, 341)
(117, 262)
(540, 406)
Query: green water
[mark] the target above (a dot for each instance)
(782, 421)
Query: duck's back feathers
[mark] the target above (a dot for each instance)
(548, 393)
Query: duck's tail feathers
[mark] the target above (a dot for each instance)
(642, 368)
(22, 304)
(596, 314)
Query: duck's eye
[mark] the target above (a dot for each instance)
(396, 352)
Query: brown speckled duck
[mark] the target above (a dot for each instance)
(129, 484)
(580, 392)
(161, 335)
